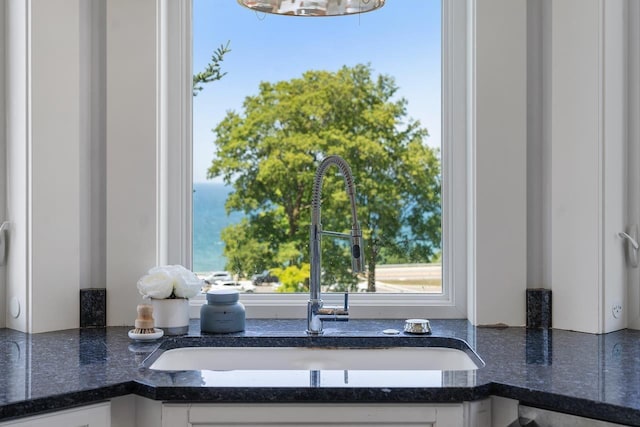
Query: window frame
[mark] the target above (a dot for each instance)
(176, 178)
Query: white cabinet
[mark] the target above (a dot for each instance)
(335, 415)
(505, 412)
(98, 415)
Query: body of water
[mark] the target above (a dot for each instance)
(209, 218)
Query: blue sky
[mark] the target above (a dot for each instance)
(402, 40)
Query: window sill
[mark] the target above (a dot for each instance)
(362, 306)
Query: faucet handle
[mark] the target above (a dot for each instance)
(336, 313)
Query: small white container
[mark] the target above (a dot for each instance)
(171, 315)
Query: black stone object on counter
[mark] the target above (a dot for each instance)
(539, 308)
(93, 308)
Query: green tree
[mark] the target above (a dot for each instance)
(213, 70)
(269, 154)
(293, 278)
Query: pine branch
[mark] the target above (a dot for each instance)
(213, 71)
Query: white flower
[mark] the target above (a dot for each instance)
(158, 285)
(187, 284)
(163, 281)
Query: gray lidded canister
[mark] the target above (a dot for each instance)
(222, 313)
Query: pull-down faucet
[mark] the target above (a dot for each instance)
(316, 313)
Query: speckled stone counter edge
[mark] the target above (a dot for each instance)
(574, 406)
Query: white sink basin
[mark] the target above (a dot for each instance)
(315, 358)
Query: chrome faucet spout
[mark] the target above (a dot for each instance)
(316, 313)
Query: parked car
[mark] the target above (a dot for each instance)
(264, 277)
(218, 276)
(232, 284)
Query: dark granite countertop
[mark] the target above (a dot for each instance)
(596, 376)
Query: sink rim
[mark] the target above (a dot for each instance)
(321, 342)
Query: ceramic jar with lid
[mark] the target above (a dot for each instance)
(223, 312)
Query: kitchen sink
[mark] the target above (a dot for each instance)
(226, 358)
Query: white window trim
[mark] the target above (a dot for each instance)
(175, 188)
(174, 136)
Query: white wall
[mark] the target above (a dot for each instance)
(576, 168)
(587, 174)
(615, 174)
(3, 163)
(46, 149)
(84, 104)
(577, 147)
(538, 144)
(93, 133)
(148, 129)
(498, 163)
(633, 155)
(131, 152)
(17, 132)
(53, 162)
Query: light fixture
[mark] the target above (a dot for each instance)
(313, 7)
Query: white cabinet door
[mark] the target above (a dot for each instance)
(339, 415)
(87, 416)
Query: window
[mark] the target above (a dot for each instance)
(268, 66)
